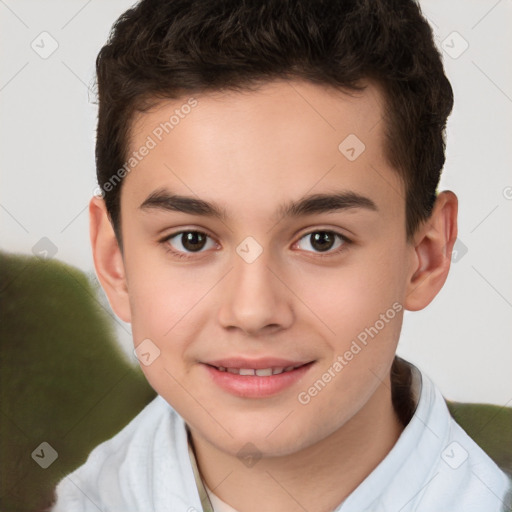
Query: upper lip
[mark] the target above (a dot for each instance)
(256, 364)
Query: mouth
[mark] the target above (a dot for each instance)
(260, 372)
(256, 379)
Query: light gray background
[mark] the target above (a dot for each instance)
(462, 340)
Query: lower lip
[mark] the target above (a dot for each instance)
(253, 386)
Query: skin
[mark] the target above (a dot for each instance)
(251, 152)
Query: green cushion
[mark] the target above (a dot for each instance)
(490, 426)
(63, 379)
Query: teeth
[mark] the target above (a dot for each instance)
(260, 372)
(264, 372)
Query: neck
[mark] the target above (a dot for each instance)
(317, 478)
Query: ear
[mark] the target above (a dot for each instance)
(433, 246)
(108, 259)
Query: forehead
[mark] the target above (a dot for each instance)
(293, 107)
(256, 148)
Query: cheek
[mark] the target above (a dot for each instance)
(360, 306)
(350, 297)
(162, 301)
(162, 294)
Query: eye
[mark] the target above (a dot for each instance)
(186, 242)
(323, 241)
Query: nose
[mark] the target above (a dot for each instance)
(255, 299)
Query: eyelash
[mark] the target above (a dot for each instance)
(181, 255)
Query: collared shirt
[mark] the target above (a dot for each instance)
(150, 467)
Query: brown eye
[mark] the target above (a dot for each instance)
(193, 240)
(188, 241)
(323, 241)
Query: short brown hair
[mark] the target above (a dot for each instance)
(165, 49)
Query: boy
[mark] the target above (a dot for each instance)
(269, 210)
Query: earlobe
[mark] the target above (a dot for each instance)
(108, 259)
(433, 249)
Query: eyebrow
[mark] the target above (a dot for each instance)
(162, 199)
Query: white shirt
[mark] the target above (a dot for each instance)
(433, 467)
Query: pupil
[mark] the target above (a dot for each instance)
(322, 240)
(192, 240)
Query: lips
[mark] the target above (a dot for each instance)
(256, 378)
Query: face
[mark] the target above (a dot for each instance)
(256, 268)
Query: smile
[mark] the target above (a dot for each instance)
(265, 381)
(260, 372)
